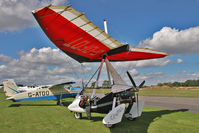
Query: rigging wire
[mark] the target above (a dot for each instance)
(84, 76)
(92, 77)
(71, 67)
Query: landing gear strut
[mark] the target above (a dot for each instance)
(59, 102)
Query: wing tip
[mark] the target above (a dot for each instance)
(137, 49)
(38, 9)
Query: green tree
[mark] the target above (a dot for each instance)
(93, 84)
(105, 84)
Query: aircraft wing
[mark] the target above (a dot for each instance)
(79, 38)
(60, 85)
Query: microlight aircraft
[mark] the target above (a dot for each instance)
(79, 38)
(54, 92)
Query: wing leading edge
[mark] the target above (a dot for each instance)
(79, 38)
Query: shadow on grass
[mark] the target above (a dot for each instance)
(18, 105)
(95, 118)
(66, 103)
(141, 124)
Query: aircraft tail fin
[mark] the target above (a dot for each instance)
(10, 88)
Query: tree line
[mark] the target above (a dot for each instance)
(179, 84)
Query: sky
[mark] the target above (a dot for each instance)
(29, 57)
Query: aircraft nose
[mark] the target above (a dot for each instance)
(70, 107)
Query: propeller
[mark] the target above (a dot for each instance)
(136, 89)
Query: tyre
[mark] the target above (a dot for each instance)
(77, 115)
(109, 125)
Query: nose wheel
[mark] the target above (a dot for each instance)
(109, 125)
(77, 115)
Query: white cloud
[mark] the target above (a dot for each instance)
(160, 77)
(150, 78)
(174, 41)
(49, 66)
(153, 63)
(179, 61)
(154, 78)
(16, 14)
(41, 66)
(143, 63)
(4, 58)
(2, 67)
(45, 56)
(134, 72)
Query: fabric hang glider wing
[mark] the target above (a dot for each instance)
(78, 37)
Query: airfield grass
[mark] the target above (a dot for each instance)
(164, 91)
(47, 117)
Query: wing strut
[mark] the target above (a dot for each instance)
(96, 83)
(109, 78)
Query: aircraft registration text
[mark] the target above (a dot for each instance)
(38, 94)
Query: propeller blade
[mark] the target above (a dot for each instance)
(141, 85)
(132, 81)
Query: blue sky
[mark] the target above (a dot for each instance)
(29, 57)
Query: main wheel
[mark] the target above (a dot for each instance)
(109, 125)
(77, 115)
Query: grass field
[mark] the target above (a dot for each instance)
(46, 117)
(170, 91)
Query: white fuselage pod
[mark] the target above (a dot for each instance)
(74, 106)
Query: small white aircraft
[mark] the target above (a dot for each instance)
(55, 92)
